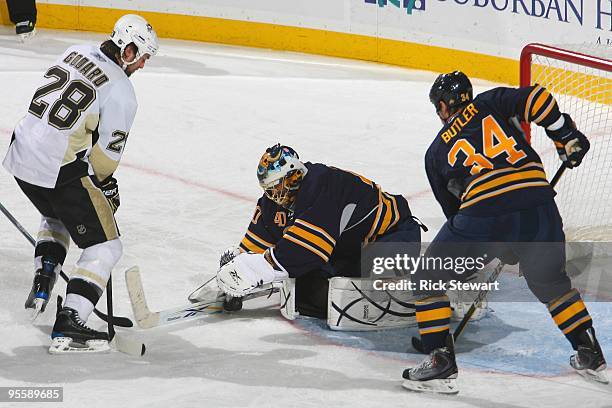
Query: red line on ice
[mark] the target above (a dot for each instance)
(189, 182)
(227, 193)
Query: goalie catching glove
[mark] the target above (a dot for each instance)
(246, 272)
(571, 144)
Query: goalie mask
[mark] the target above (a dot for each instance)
(280, 173)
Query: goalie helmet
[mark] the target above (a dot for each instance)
(454, 88)
(280, 173)
(132, 28)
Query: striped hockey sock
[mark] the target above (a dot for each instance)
(571, 315)
(433, 318)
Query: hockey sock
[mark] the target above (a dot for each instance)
(91, 275)
(433, 318)
(82, 296)
(49, 252)
(571, 315)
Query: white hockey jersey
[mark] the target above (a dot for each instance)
(77, 123)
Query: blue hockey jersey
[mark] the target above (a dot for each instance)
(336, 213)
(481, 164)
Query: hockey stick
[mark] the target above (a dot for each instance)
(120, 343)
(117, 321)
(483, 293)
(147, 319)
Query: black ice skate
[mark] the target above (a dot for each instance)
(589, 361)
(437, 373)
(44, 280)
(70, 334)
(25, 30)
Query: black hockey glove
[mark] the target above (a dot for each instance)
(111, 192)
(571, 144)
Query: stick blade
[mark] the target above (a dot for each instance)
(144, 317)
(128, 346)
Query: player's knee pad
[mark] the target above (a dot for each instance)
(97, 262)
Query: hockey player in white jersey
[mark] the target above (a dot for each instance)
(63, 154)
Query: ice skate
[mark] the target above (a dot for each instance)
(44, 280)
(436, 374)
(71, 335)
(589, 361)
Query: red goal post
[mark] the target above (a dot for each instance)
(560, 54)
(580, 78)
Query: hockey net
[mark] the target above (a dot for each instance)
(580, 77)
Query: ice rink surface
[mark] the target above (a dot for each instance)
(188, 189)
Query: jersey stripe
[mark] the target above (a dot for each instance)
(250, 246)
(311, 239)
(546, 112)
(372, 234)
(502, 191)
(533, 93)
(544, 95)
(256, 238)
(495, 173)
(386, 221)
(536, 174)
(308, 247)
(387, 215)
(320, 230)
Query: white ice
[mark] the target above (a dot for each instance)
(188, 189)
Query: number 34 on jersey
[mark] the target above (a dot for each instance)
(495, 142)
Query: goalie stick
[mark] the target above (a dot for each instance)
(147, 319)
(117, 320)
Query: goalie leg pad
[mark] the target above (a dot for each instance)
(354, 305)
(287, 299)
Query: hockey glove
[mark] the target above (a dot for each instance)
(111, 192)
(246, 272)
(228, 255)
(571, 144)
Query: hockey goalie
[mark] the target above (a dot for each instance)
(306, 237)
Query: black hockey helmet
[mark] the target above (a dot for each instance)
(454, 88)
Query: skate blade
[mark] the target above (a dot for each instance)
(37, 308)
(65, 345)
(593, 375)
(442, 386)
(25, 37)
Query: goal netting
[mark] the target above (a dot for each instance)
(580, 77)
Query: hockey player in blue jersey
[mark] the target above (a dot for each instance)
(311, 224)
(492, 187)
